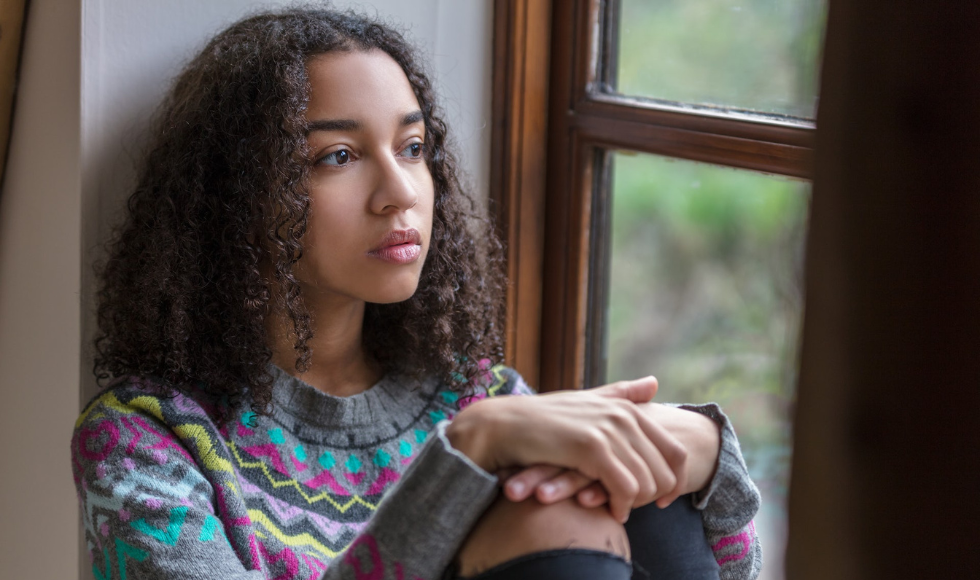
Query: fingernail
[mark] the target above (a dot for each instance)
(516, 487)
(588, 495)
(548, 489)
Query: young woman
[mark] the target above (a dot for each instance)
(301, 318)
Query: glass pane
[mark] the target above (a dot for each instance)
(705, 293)
(759, 55)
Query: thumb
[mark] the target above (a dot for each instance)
(636, 391)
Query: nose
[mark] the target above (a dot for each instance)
(395, 190)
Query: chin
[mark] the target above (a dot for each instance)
(392, 293)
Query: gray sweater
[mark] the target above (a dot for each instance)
(361, 487)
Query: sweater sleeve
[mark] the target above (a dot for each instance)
(148, 508)
(162, 501)
(423, 520)
(728, 505)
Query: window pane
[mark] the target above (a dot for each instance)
(760, 55)
(705, 293)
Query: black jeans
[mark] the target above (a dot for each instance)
(666, 544)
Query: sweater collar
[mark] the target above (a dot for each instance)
(391, 401)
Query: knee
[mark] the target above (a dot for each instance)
(509, 530)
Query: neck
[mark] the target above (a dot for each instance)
(339, 365)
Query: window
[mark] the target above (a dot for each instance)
(665, 234)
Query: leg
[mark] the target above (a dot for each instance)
(532, 540)
(670, 543)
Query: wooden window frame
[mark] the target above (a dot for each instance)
(554, 215)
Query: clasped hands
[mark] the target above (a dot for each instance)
(604, 445)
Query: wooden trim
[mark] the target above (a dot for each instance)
(599, 269)
(12, 19)
(518, 162)
(783, 146)
(568, 201)
(714, 148)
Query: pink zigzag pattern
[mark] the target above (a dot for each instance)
(137, 435)
(327, 479)
(257, 548)
(166, 440)
(387, 476)
(315, 566)
(744, 538)
(268, 450)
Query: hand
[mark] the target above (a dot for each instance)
(599, 433)
(550, 484)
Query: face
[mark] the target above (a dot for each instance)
(371, 192)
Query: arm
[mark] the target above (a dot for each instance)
(715, 475)
(729, 502)
(161, 498)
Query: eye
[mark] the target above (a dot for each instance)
(413, 151)
(338, 158)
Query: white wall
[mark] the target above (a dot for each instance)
(93, 72)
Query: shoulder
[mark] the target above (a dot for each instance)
(136, 396)
(495, 381)
(504, 380)
(136, 420)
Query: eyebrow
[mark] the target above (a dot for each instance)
(352, 125)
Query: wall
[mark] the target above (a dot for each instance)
(39, 302)
(93, 71)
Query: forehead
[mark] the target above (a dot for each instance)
(358, 85)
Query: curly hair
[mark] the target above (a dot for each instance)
(221, 200)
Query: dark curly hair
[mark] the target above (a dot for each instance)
(221, 200)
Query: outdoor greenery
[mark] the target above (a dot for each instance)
(706, 275)
(760, 55)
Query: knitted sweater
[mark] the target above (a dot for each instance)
(361, 487)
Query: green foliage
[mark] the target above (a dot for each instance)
(705, 293)
(759, 55)
(706, 275)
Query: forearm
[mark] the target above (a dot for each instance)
(728, 503)
(420, 525)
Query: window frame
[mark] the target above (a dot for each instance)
(555, 223)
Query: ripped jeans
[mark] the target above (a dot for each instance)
(666, 544)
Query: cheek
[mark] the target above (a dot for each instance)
(330, 232)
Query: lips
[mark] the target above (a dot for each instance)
(399, 247)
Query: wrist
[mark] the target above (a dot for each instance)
(470, 434)
(705, 446)
(699, 434)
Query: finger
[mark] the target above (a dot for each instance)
(619, 477)
(670, 470)
(598, 461)
(525, 482)
(636, 452)
(592, 496)
(637, 391)
(562, 486)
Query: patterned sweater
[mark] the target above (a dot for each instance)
(361, 487)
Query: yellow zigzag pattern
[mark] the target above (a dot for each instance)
(500, 379)
(303, 539)
(356, 499)
(151, 406)
(205, 446)
(342, 508)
